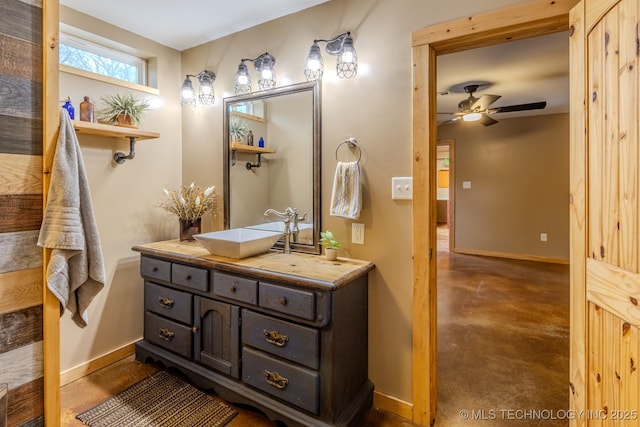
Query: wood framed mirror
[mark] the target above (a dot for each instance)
(273, 161)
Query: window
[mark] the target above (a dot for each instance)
(87, 56)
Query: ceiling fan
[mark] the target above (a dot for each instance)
(477, 109)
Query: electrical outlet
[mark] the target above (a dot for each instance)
(401, 188)
(357, 233)
(543, 237)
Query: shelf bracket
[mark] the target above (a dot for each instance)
(120, 157)
(255, 165)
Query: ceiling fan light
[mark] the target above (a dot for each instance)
(472, 117)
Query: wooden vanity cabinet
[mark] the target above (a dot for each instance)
(293, 346)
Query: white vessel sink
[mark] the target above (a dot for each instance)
(238, 242)
(305, 229)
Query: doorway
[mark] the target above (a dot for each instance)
(518, 22)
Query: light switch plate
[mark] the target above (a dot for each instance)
(402, 188)
(466, 185)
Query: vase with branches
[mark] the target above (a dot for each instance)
(190, 203)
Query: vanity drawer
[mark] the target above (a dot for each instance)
(168, 302)
(236, 288)
(168, 334)
(281, 338)
(155, 269)
(191, 277)
(294, 302)
(294, 384)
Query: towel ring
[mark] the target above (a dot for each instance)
(352, 143)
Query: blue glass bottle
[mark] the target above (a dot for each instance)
(261, 142)
(67, 106)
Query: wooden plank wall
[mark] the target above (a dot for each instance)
(21, 194)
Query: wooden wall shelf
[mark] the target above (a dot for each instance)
(252, 149)
(119, 132)
(244, 148)
(100, 129)
(248, 116)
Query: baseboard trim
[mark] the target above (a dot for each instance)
(392, 404)
(512, 256)
(93, 365)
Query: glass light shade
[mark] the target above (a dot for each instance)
(267, 78)
(187, 94)
(314, 67)
(347, 64)
(206, 94)
(243, 80)
(472, 117)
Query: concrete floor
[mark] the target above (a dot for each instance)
(503, 349)
(503, 341)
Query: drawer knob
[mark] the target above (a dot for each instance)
(283, 301)
(166, 302)
(154, 269)
(233, 289)
(166, 334)
(275, 338)
(188, 277)
(275, 380)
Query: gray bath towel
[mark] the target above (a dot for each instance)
(75, 273)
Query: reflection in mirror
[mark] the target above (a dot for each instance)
(272, 161)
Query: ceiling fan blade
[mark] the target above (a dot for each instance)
(520, 107)
(483, 102)
(485, 120)
(453, 120)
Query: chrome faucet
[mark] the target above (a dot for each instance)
(286, 216)
(295, 230)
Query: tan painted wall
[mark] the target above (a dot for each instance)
(519, 174)
(375, 107)
(124, 197)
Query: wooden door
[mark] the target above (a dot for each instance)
(605, 215)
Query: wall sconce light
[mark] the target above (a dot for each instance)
(340, 46)
(205, 94)
(264, 65)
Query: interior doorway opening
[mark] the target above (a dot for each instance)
(518, 22)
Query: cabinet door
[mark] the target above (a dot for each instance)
(217, 338)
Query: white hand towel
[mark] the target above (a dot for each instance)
(75, 273)
(346, 198)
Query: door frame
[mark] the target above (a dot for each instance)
(531, 19)
(451, 223)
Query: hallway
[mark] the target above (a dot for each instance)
(503, 341)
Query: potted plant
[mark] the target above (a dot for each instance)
(331, 245)
(237, 129)
(190, 204)
(123, 109)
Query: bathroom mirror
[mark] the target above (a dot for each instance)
(282, 167)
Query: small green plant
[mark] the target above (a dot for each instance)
(125, 105)
(237, 128)
(328, 240)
